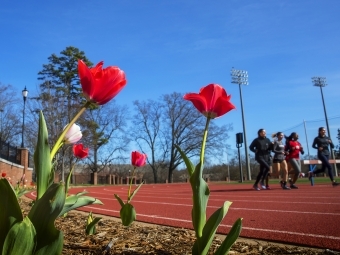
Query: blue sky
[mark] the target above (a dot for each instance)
(168, 46)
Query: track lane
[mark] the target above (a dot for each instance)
(308, 216)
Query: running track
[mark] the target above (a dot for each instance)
(309, 216)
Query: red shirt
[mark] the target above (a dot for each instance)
(294, 149)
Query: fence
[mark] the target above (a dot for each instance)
(9, 152)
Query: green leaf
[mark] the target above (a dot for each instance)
(91, 228)
(68, 180)
(231, 238)
(210, 228)
(21, 192)
(21, 239)
(75, 201)
(42, 161)
(10, 212)
(201, 192)
(127, 214)
(188, 163)
(119, 200)
(43, 214)
(135, 192)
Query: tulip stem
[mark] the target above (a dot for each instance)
(62, 135)
(205, 135)
(129, 193)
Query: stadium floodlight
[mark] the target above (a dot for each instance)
(240, 77)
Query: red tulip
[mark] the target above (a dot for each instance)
(138, 159)
(100, 85)
(79, 151)
(212, 101)
(3, 174)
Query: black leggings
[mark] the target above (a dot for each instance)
(264, 170)
(325, 164)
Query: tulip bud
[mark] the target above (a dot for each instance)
(73, 135)
(91, 224)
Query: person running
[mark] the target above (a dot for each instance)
(322, 143)
(293, 150)
(262, 147)
(279, 162)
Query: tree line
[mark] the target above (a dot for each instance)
(111, 132)
(154, 126)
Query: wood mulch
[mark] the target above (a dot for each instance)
(140, 238)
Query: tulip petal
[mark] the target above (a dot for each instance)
(86, 78)
(223, 106)
(79, 151)
(212, 101)
(73, 135)
(101, 85)
(199, 101)
(138, 159)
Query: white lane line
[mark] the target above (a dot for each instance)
(228, 226)
(230, 208)
(227, 194)
(232, 200)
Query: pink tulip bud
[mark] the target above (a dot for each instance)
(73, 135)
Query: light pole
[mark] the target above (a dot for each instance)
(1, 110)
(321, 82)
(240, 77)
(24, 95)
(228, 167)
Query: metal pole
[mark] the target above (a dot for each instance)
(239, 162)
(1, 110)
(23, 124)
(228, 168)
(324, 109)
(24, 96)
(240, 77)
(304, 124)
(245, 137)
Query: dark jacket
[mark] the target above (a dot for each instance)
(262, 147)
(323, 142)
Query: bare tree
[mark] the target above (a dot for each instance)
(146, 132)
(184, 126)
(160, 125)
(10, 120)
(104, 133)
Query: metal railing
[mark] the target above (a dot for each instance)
(9, 152)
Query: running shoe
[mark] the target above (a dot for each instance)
(285, 187)
(262, 185)
(281, 184)
(255, 187)
(293, 186)
(334, 184)
(267, 187)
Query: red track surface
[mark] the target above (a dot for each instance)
(308, 216)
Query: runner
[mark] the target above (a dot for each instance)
(279, 162)
(262, 147)
(322, 143)
(293, 150)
